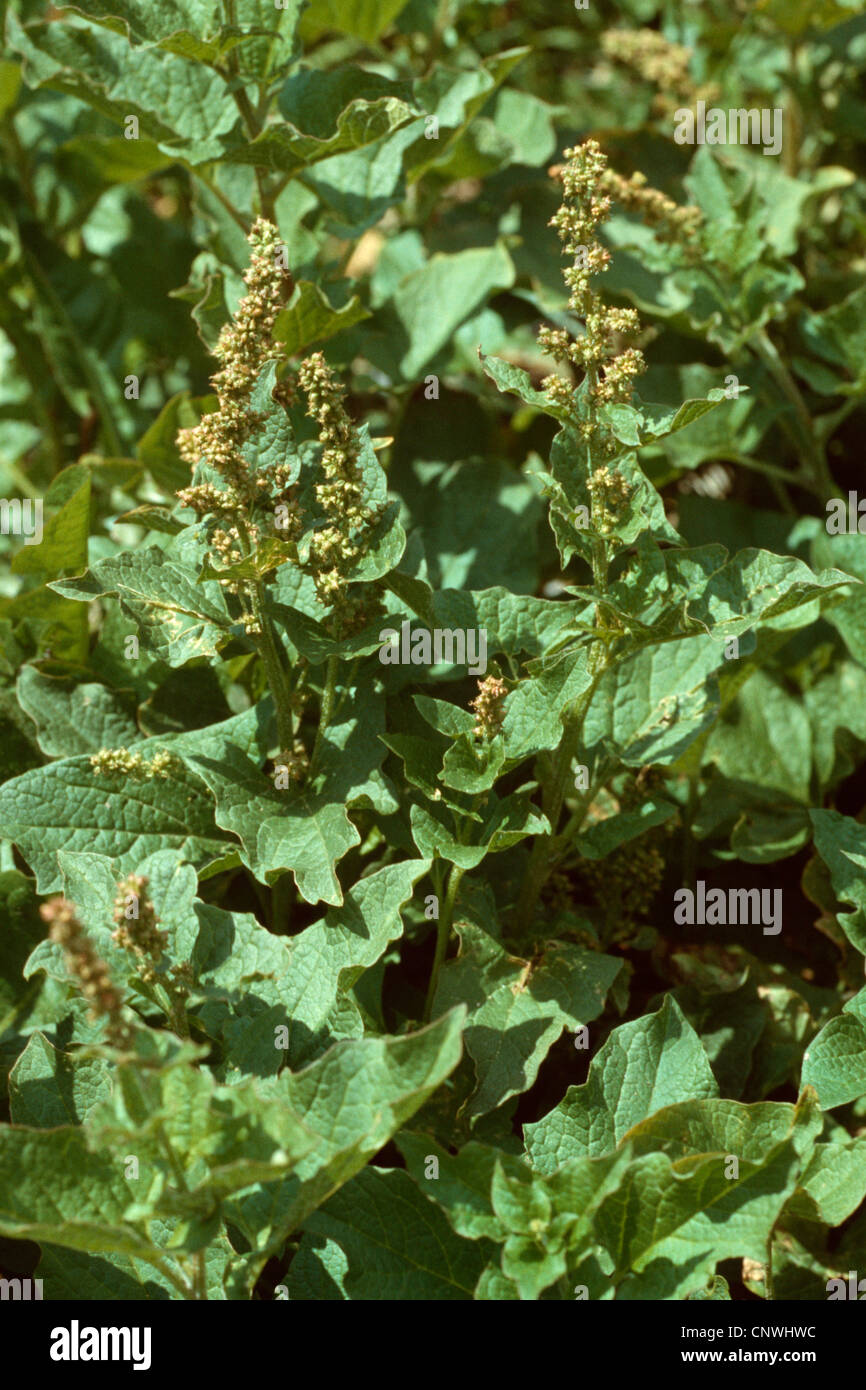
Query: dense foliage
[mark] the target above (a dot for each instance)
(432, 650)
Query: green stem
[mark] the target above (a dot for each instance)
(199, 1275)
(270, 651)
(253, 120)
(217, 192)
(166, 1270)
(327, 709)
(443, 932)
(281, 902)
(274, 669)
(765, 349)
(544, 846)
(82, 353)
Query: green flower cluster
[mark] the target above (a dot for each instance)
(132, 763)
(336, 547)
(246, 505)
(609, 360)
(87, 967)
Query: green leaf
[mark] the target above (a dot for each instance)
(177, 617)
(280, 830)
(377, 1238)
(643, 1066)
(326, 959)
(432, 302)
(833, 1185)
(72, 718)
(841, 843)
(653, 704)
(835, 1063)
(310, 318)
(365, 19)
(677, 1212)
(69, 805)
(288, 150)
(518, 1008)
(47, 1088)
(195, 29)
(353, 1099)
(39, 1202)
(508, 377)
(505, 822)
(64, 537)
(180, 104)
(309, 838)
(463, 1182)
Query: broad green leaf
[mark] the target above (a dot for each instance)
(353, 1099)
(684, 1207)
(180, 104)
(38, 1201)
(643, 1066)
(47, 1088)
(280, 830)
(327, 958)
(841, 843)
(536, 710)
(310, 318)
(365, 19)
(197, 29)
(835, 1063)
(288, 149)
(224, 1138)
(528, 124)
(377, 1238)
(72, 718)
(833, 1185)
(309, 838)
(506, 821)
(69, 805)
(63, 545)
(108, 1277)
(431, 302)
(518, 1008)
(652, 705)
(177, 617)
(462, 1182)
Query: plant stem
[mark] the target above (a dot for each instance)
(166, 1270)
(327, 709)
(270, 651)
(281, 901)
(82, 352)
(199, 1273)
(765, 349)
(554, 794)
(217, 192)
(253, 121)
(443, 932)
(274, 669)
